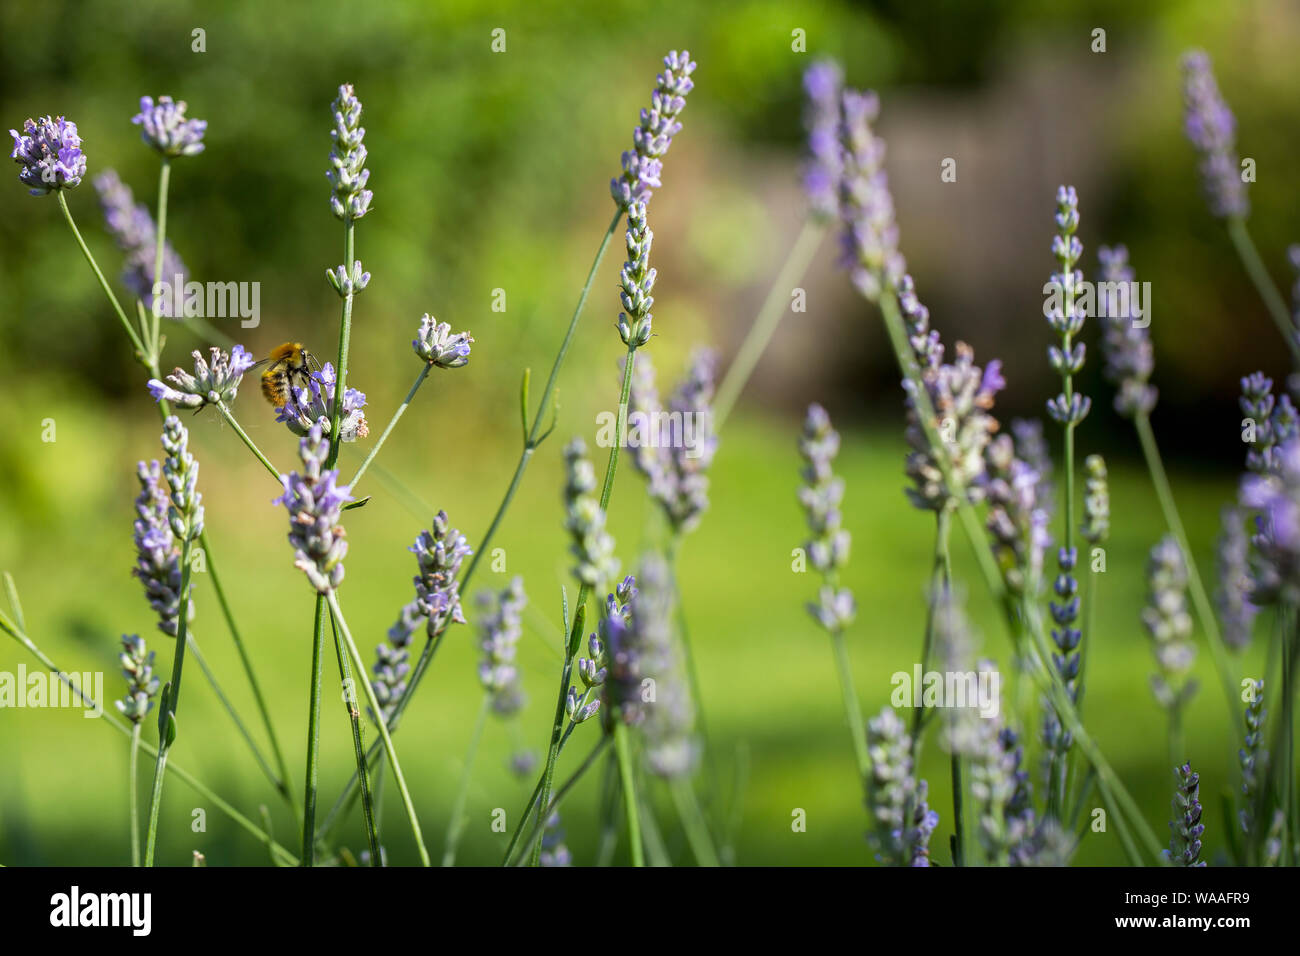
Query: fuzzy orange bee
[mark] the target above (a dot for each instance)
(287, 367)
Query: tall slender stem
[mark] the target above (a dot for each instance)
(623, 748)
(401, 410)
(557, 726)
(252, 446)
(693, 821)
(1273, 300)
(313, 736)
(170, 703)
(345, 339)
(135, 793)
(939, 575)
(852, 710)
(560, 794)
(773, 309)
(389, 749)
(456, 825)
(358, 747)
(140, 351)
(160, 243)
(1204, 610)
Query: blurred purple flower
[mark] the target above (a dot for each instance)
(1211, 127)
(49, 152)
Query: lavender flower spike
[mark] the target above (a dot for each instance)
(1063, 312)
(211, 383)
(392, 658)
(638, 280)
(822, 84)
(1275, 499)
(315, 503)
(350, 199)
(870, 237)
(164, 127)
(1211, 127)
(49, 152)
(141, 685)
(1186, 826)
(593, 546)
(439, 346)
(439, 553)
(132, 228)
(1096, 502)
(671, 748)
(1253, 756)
(311, 407)
(821, 495)
(1232, 595)
(1271, 422)
(1169, 623)
(643, 164)
(182, 473)
(500, 629)
(158, 556)
(1125, 345)
(902, 821)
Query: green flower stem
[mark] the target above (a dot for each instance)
(1204, 610)
(160, 242)
(345, 339)
(693, 822)
(193, 649)
(1273, 300)
(282, 768)
(398, 777)
(692, 672)
(557, 727)
(456, 825)
(560, 794)
(623, 748)
(852, 709)
(358, 746)
(169, 703)
(313, 737)
(135, 793)
(939, 575)
(765, 324)
(20, 635)
(140, 351)
(252, 446)
(401, 410)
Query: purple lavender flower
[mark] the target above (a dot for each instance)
(310, 407)
(674, 448)
(1211, 127)
(927, 348)
(1275, 499)
(438, 345)
(870, 237)
(211, 383)
(554, 852)
(961, 394)
(638, 280)
(1169, 623)
(392, 659)
(1274, 422)
(1031, 448)
(822, 84)
(500, 628)
(902, 821)
(671, 747)
(132, 229)
(158, 556)
(1232, 595)
(164, 127)
(1063, 312)
(1017, 523)
(1125, 345)
(616, 667)
(592, 546)
(350, 199)
(1186, 827)
(821, 495)
(49, 152)
(141, 685)
(643, 164)
(439, 553)
(315, 501)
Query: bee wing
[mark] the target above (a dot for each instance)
(260, 364)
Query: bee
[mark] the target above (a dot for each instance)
(288, 366)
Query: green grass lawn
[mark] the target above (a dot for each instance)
(771, 698)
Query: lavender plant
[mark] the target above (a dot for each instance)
(1169, 625)
(1186, 827)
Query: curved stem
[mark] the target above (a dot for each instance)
(252, 446)
(622, 747)
(852, 709)
(560, 794)
(345, 339)
(140, 350)
(398, 777)
(313, 736)
(693, 822)
(769, 317)
(135, 793)
(160, 242)
(401, 410)
(1273, 300)
(456, 825)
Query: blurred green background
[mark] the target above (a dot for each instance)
(489, 172)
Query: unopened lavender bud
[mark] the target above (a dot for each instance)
(1186, 827)
(182, 474)
(592, 546)
(438, 345)
(164, 127)
(350, 199)
(638, 280)
(440, 553)
(346, 284)
(141, 685)
(1096, 501)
